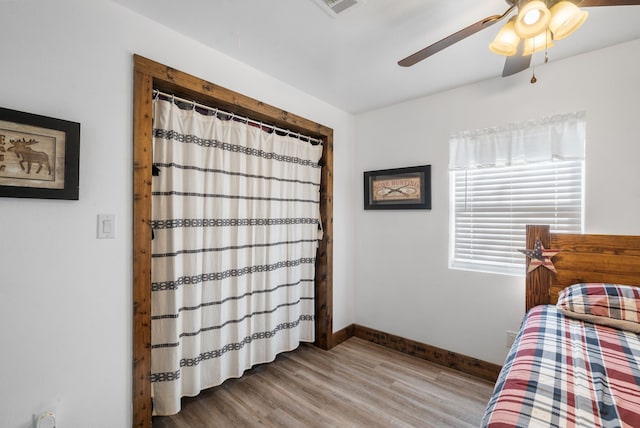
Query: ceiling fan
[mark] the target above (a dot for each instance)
(531, 22)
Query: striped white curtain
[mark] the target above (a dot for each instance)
(235, 222)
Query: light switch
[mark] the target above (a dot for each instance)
(106, 226)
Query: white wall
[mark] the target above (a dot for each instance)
(65, 297)
(403, 285)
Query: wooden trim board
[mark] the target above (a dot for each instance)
(344, 334)
(460, 362)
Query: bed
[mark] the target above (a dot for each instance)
(576, 359)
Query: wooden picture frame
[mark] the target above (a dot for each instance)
(398, 189)
(39, 156)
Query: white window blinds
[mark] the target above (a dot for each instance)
(518, 184)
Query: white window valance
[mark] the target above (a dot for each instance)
(559, 137)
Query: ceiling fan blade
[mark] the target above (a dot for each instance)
(594, 3)
(516, 63)
(451, 39)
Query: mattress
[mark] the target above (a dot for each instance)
(564, 372)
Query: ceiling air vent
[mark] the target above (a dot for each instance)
(337, 7)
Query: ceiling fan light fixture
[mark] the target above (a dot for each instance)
(533, 18)
(566, 18)
(535, 44)
(506, 41)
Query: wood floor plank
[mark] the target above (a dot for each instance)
(355, 384)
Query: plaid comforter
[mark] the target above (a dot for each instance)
(563, 372)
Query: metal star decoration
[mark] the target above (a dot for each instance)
(540, 256)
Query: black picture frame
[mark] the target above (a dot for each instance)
(398, 189)
(39, 156)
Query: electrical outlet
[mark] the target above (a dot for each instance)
(511, 337)
(45, 419)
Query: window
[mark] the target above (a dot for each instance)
(504, 179)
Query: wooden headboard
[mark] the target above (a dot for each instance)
(583, 258)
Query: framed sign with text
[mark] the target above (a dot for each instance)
(398, 189)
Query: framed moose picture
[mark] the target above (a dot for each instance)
(39, 156)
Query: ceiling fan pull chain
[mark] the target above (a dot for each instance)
(546, 50)
(533, 67)
(546, 60)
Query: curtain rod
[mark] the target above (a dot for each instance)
(274, 128)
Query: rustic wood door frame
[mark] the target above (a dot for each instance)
(150, 75)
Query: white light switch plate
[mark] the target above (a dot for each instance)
(106, 226)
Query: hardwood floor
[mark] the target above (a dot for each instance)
(355, 384)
